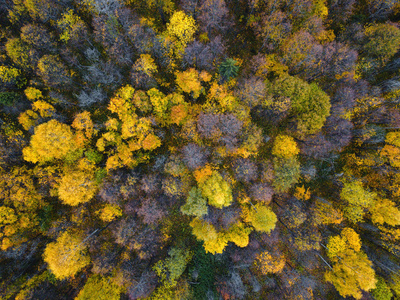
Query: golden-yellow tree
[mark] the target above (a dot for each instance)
(180, 31)
(66, 256)
(51, 140)
(189, 82)
(266, 263)
(352, 271)
(78, 184)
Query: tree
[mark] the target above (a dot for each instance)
(53, 72)
(98, 287)
(324, 213)
(189, 82)
(301, 52)
(51, 140)
(37, 36)
(341, 10)
(77, 186)
(238, 233)
(251, 91)
(143, 71)
(10, 78)
(44, 11)
(261, 217)
(204, 56)
(109, 212)
(151, 212)
(194, 156)
(196, 204)
(380, 10)
(273, 29)
(382, 290)
(228, 69)
(385, 211)
(382, 41)
(214, 17)
(217, 191)
(7, 215)
(207, 125)
(285, 147)
(262, 192)
(214, 242)
(287, 173)
(245, 170)
(180, 30)
(19, 53)
(66, 256)
(173, 266)
(309, 103)
(73, 29)
(267, 262)
(352, 271)
(358, 198)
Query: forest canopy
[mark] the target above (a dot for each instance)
(199, 149)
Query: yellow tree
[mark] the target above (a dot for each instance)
(267, 263)
(385, 211)
(84, 126)
(51, 140)
(78, 185)
(109, 212)
(285, 147)
(214, 242)
(189, 82)
(352, 270)
(352, 274)
(239, 234)
(180, 31)
(99, 288)
(67, 256)
(217, 191)
(358, 198)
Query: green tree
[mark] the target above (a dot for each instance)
(287, 173)
(9, 98)
(228, 69)
(173, 266)
(382, 290)
(19, 53)
(196, 204)
(310, 104)
(383, 41)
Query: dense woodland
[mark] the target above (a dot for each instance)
(199, 149)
